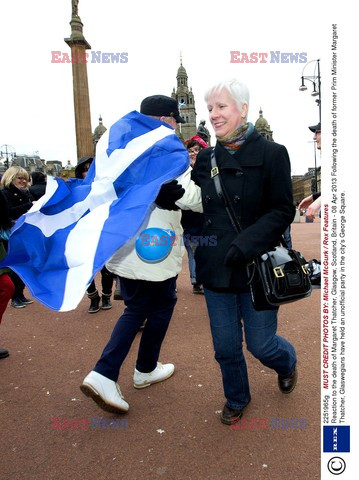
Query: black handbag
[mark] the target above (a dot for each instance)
(276, 276)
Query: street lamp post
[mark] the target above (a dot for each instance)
(9, 152)
(316, 81)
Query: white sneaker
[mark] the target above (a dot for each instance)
(160, 373)
(105, 392)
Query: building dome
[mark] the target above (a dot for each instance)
(261, 123)
(263, 127)
(100, 129)
(181, 72)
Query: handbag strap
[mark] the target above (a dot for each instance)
(227, 204)
(222, 194)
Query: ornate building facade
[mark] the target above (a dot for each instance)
(97, 134)
(186, 103)
(263, 127)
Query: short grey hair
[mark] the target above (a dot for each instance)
(237, 90)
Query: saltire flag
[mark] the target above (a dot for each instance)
(60, 244)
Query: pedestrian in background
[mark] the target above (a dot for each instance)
(106, 277)
(192, 222)
(7, 287)
(15, 189)
(313, 202)
(38, 185)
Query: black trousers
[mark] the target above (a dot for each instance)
(19, 285)
(106, 283)
(144, 300)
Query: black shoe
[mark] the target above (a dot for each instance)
(117, 295)
(17, 303)
(230, 416)
(197, 288)
(287, 383)
(95, 302)
(3, 353)
(25, 300)
(106, 302)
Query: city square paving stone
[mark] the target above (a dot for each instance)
(172, 430)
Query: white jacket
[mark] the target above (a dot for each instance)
(127, 263)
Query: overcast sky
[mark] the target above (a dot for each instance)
(37, 110)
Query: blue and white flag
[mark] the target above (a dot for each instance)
(59, 245)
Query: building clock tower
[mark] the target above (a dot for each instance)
(186, 104)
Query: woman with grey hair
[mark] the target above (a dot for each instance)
(255, 175)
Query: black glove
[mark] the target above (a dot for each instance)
(234, 257)
(169, 194)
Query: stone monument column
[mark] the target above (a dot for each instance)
(79, 45)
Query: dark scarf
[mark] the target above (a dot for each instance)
(233, 141)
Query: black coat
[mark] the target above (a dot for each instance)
(37, 190)
(5, 221)
(192, 222)
(5, 224)
(18, 201)
(257, 180)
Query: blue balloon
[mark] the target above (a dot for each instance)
(153, 245)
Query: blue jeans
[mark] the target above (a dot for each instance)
(191, 261)
(227, 311)
(287, 237)
(154, 301)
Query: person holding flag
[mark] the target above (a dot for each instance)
(73, 230)
(148, 280)
(69, 234)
